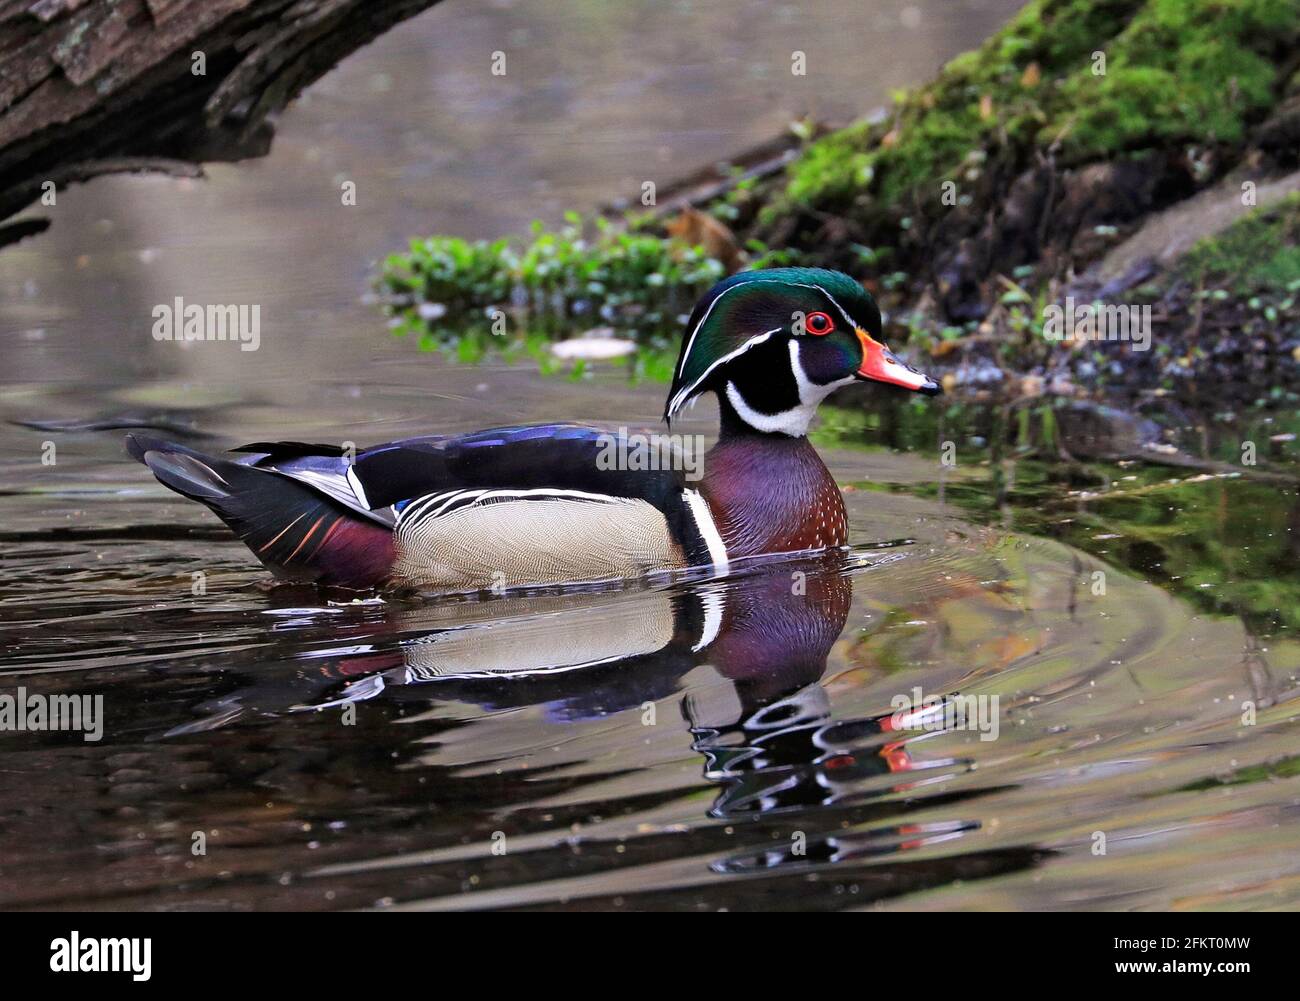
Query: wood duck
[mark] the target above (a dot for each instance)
(544, 504)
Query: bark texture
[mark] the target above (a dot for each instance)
(89, 87)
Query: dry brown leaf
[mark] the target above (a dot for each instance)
(699, 229)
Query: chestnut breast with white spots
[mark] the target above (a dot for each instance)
(773, 494)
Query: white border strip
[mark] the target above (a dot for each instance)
(708, 528)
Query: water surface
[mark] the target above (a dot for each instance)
(590, 749)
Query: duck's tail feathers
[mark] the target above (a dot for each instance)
(297, 533)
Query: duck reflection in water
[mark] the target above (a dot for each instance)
(767, 736)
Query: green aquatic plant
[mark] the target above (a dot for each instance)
(471, 296)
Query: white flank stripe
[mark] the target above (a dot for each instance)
(553, 492)
(708, 528)
(424, 507)
(458, 495)
(413, 509)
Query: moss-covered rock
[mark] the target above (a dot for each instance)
(1258, 255)
(1091, 78)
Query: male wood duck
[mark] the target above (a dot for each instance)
(540, 504)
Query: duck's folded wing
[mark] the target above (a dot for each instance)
(536, 456)
(544, 456)
(564, 498)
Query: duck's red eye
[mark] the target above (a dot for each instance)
(819, 324)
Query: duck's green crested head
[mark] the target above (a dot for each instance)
(773, 344)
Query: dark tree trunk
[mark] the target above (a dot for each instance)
(89, 87)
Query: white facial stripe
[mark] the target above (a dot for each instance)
(690, 343)
(754, 341)
(811, 392)
(844, 313)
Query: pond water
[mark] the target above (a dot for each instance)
(585, 749)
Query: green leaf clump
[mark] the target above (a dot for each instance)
(457, 294)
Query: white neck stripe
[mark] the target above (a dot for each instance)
(794, 421)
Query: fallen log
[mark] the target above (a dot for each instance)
(89, 87)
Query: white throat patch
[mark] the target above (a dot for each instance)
(796, 420)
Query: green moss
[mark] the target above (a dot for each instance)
(935, 128)
(834, 168)
(1181, 71)
(1187, 71)
(1258, 254)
